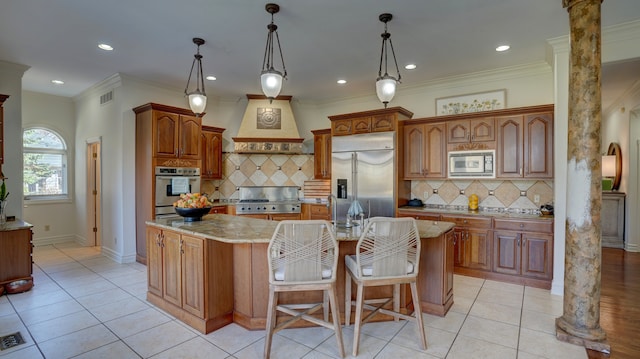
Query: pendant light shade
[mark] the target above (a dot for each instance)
(197, 97)
(270, 78)
(385, 83)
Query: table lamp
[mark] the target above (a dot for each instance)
(608, 172)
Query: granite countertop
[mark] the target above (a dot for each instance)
(234, 229)
(467, 212)
(14, 225)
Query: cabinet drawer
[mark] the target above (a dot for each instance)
(218, 209)
(319, 209)
(524, 225)
(474, 222)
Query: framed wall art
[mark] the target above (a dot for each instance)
(474, 102)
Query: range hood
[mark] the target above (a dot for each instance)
(268, 127)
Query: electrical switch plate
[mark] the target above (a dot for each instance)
(536, 198)
(425, 195)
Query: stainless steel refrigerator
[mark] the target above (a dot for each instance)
(363, 169)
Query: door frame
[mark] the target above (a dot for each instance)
(94, 181)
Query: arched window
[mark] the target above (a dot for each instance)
(44, 164)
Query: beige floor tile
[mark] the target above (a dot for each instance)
(496, 311)
(452, 322)
(525, 355)
(281, 347)
(541, 322)
(110, 351)
(471, 348)
(315, 355)
(34, 298)
(5, 307)
(547, 346)
(10, 324)
(99, 299)
(196, 348)
(158, 339)
(77, 343)
(501, 296)
(369, 346)
(470, 281)
(48, 312)
(550, 305)
(438, 341)
(231, 338)
(461, 304)
(383, 330)
(509, 287)
(22, 352)
(467, 291)
(94, 286)
(118, 309)
(392, 351)
(311, 337)
(131, 324)
(490, 331)
(61, 326)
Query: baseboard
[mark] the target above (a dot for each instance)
(46, 241)
(117, 257)
(631, 247)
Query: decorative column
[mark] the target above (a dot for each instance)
(580, 321)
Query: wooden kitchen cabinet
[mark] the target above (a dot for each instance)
(315, 211)
(211, 142)
(368, 121)
(475, 133)
(472, 237)
(436, 271)
(425, 151)
(190, 278)
(322, 154)
(218, 210)
(17, 249)
(176, 135)
(525, 252)
(525, 145)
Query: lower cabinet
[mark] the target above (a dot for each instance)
(273, 216)
(16, 248)
(190, 278)
(472, 238)
(218, 210)
(436, 274)
(315, 211)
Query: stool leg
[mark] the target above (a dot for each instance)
(417, 310)
(271, 321)
(358, 323)
(335, 312)
(396, 301)
(347, 298)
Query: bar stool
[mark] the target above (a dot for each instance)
(302, 256)
(387, 253)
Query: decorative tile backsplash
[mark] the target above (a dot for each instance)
(293, 170)
(259, 170)
(492, 194)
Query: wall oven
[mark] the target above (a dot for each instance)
(170, 183)
(472, 164)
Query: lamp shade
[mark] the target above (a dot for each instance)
(197, 102)
(386, 88)
(271, 82)
(608, 166)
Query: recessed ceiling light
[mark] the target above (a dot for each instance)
(105, 47)
(58, 82)
(342, 82)
(211, 78)
(502, 48)
(410, 66)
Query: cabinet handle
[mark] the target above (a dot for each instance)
(181, 249)
(521, 225)
(520, 171)
(518, 241)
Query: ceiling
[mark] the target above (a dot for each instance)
(322, 41)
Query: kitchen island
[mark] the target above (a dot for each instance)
(213, 272)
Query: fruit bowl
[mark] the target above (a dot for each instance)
(192, 214)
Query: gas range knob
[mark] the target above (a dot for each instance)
(273, 208)
(264, 208)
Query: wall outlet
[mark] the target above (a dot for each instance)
(536, 198)
(47, 227)
(425, 195)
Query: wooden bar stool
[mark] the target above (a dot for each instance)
(302, 256)
(387, 253)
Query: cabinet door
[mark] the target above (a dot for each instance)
(322, 156)
(478, 249)
(165, 140)
(319, 211)
(458, 131)
(538, 145)
(382, 123)
(171, 269)
(361, 125)
(193, 275)
(189, 142)
(449, 250)
(436, 151)
(211, 142)
(154, 260)
(218, 210)
(509, 155)
(537, 255)
(459, 247)
(482, 129)
(284, 216)
(506, 252)
(15, 249)
(415, 148)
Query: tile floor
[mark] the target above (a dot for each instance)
(84, 305)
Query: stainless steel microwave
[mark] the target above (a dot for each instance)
(472, 164)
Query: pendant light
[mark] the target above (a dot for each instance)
(386, 84)
(270, 78)
(197, 97)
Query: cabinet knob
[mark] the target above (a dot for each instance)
(521, 225)
(464, 221)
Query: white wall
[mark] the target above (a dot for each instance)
(56, 113)
(11, 84)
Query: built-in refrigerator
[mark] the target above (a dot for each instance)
(363, 168)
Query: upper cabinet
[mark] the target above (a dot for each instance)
(476, 133)
(322, 154)
(425, 151)
(525, 145)
(211, 142)
(368, 121)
